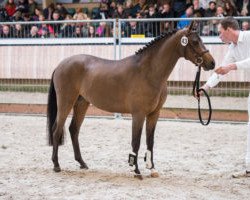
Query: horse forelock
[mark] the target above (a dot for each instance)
(164, 36)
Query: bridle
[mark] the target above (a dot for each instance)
(196, 85)
(198, 55)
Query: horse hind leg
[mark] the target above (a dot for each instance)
(79, 110)
(64, 107)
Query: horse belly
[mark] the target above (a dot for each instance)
(106, 97)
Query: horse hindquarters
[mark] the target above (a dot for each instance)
(60, 103)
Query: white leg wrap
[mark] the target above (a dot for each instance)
(149, 164)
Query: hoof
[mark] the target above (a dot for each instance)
(84, 166)
(138, 176)
(241, 175)
(57, 169)
(155, 175)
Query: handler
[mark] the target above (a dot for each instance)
(237, 58)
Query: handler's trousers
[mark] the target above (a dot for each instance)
(248, 138)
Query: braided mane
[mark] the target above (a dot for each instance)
(165, 35)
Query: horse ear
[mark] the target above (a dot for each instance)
(193, 26)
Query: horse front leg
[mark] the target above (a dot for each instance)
(137, 124)
(150, 131)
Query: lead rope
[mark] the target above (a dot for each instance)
(196, 90)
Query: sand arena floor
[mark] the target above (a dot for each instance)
(194, 162)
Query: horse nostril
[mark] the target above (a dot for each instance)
(212, 64)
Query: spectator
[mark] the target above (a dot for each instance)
(10, 7)
(78, 32)
(211, 11)
(3, 14)
(103, 9)
(188, 13)
(62, 10)
(165, 11)
(133, 28)
(18, 31)
(91, 32)
(17, 16)
(229, 9)
(26, 18)
(198, 10)
(243, 7)
(152, 28)
(102, 30)
(67, 29)
(6, 33)
(219, 13)
(245, 26)
(208, 28)
(32, 6)
(179, 7)
(57, 27)
(119, 13)
(45, 30)
(81, 16)
(38, 12)
(111, 8)
(34, 32)
(141, 7)
(204, 4)
(128, 11)
(48, 12)
(22, 6)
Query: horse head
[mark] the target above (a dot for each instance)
(194, 49)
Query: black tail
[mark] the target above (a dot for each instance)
(52, 113)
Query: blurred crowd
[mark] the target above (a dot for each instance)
(30, 11)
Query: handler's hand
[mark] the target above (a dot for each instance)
(226, 69)
(204, 87)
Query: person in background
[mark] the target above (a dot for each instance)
(188, 13)
(245, 26)
(91, 33)
(198, 10)
(18, 31)
(67, 29)
(62, 10)
(128, 10)
(45, 30)
(22, 6)
(78, 32)
(211, 11)
(229, 8)
(6, 32)
(237, 58)
(152, 28)
(57, 27)
(10, 7)
(48, 12)
(111, 8)
(32, 6)
(34, 32)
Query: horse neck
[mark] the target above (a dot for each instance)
(162, 59)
